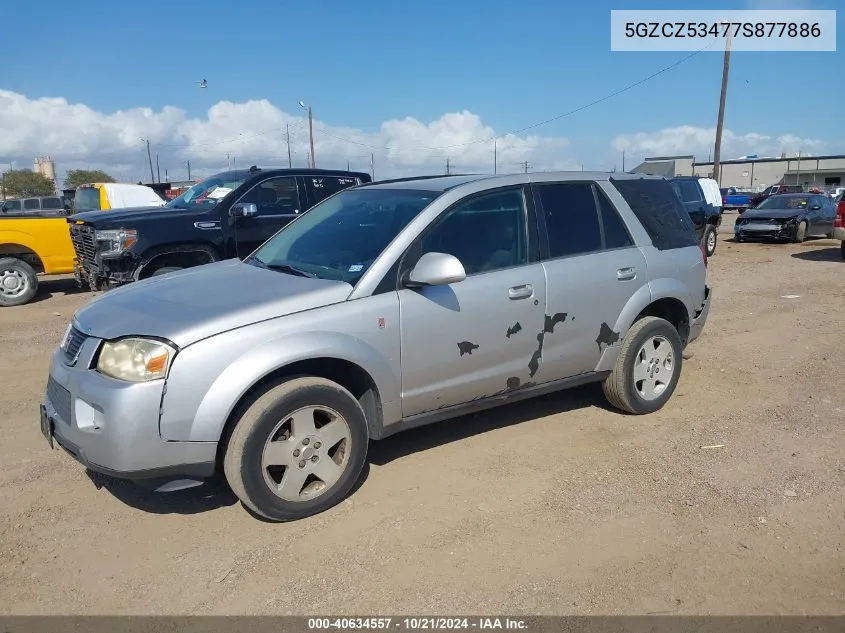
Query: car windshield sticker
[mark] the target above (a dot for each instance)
(219, 192)
(356, 268)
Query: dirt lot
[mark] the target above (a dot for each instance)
(557, 505)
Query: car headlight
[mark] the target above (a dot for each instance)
(115, 241)
(135, 359)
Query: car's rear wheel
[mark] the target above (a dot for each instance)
(648, 367)
(801, 232)
(710, 240)
(297, 449)
(18, 282)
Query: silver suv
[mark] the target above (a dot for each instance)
(387, 306)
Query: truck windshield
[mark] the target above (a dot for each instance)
(209, 192)
(86, 199)
(340, 238)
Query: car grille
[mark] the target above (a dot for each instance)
(60, 399)
(73, 343)
(84, 244)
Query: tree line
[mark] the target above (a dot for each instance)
(24, 183)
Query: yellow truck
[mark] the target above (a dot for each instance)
(31, 246)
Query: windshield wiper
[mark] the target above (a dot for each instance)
(284, 268)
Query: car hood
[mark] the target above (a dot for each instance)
(189, 305)
(122, 216)
(778, 214)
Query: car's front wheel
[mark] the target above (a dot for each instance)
(297, 449)
(648, 367)
(801, 232)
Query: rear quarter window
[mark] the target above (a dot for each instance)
(659, 210)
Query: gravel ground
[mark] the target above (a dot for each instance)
(557, 505)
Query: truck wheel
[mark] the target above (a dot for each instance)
(18, 282)
(801, 232)
(648, 368)
(298, 449)
(710, 240)
(164, 270)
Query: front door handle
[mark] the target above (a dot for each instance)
(626, 274)
(521, 292)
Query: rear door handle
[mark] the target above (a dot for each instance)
(626, 274)
(521, 292)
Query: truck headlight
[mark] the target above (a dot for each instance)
(115, 241)
(135, 359)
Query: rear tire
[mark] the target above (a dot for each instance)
(648, 367)
(801, 232)
(282, 465)
(711, 239)
(18, 282)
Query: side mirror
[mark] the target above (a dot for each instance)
(436, 269)
(243, 210)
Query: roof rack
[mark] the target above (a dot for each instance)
(410, 178)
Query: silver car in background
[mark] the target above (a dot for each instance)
(387, 306)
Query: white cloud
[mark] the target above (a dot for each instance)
(254, 132)
(699, 141)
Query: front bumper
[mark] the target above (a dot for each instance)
(112, 427)
(765, 230)
(700, 317)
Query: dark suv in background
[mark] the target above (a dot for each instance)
(224, 216)
(706, 216)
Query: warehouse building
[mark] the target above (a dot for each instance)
(752, 173)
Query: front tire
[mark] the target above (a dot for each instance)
(710, 240)
(648, 367)
(18, 282)
(801, 232)
(297, 449)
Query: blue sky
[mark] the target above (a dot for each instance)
(361, 64)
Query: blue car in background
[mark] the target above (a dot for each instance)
(733, 199)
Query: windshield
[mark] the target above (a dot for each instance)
(86, 199)
(207, 193)
(785, 202)
(340, 238)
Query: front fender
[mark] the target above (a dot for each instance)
(206, 383)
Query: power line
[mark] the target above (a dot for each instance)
(607, 97)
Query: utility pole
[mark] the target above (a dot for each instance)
(166, 179)
(287, 131)
(189, 170)
(158, 169)
(150, 159)
(495, 156)
(717, 150)
(798, 174)
(526, 165)
(447, 166)
(347, 165)
(311, 135)
(373, 166)
(623, 161)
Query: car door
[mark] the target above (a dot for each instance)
(278, 201)
(693, 200)
(593, 268)
(473, 339)
(824, 215)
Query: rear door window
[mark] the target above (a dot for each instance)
(572, 221)
(659, 210)
(321, 187)
(275, 196)
(688, 190)
(51, 203)
(32, 204)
